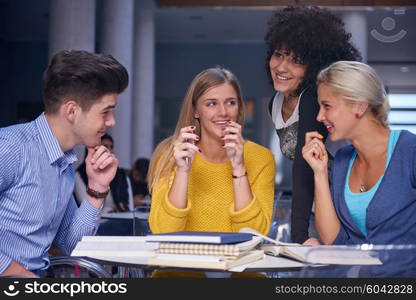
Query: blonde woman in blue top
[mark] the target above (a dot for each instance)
(373, 194)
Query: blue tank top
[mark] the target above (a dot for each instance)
(357, 203)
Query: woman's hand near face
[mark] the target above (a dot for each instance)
(234, 147)
(314, 152)
(184, 148)
(234, 144)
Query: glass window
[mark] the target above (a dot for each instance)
(403, 112)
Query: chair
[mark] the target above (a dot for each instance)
(280, 226)
(68, 266)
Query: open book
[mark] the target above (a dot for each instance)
(265, 237)
(341, 255)
(204, 261)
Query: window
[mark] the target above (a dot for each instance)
(403, 112)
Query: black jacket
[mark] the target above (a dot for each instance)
(302, 174)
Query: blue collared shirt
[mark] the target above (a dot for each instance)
(36, 202)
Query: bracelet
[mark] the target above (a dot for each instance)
(235, 177)
(96, 194)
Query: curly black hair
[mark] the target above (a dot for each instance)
(313, 35)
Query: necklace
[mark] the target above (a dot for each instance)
(363, 187)
(382, 156)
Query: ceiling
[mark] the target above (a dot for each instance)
(27, 20)
(395, 62)
(274, 3)
(249, 24)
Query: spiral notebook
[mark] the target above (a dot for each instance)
(229, 250)
(204, 261)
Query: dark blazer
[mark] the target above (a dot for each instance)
(119, 189)
(302, 175)
(391, 214)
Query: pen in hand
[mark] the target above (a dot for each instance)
(187, 158)
(189, 141)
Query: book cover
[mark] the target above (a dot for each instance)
(106, 255)
(102, 249)
(203, 237)
(339, 255)
(113, 238)
(204, 261)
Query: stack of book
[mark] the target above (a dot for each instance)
(205, 250)
(202, 250)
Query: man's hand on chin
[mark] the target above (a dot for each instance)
(101, 167)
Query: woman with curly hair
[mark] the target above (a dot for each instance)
(300, 42)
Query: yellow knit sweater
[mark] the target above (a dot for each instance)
(210, 205)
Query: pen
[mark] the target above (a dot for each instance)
(187, 158)
(188, 141)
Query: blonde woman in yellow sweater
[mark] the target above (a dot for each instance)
(206, 177)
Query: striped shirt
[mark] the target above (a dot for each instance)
(36, 202)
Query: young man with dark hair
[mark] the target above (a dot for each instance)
(37, 208)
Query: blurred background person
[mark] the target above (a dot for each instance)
(138, 178)
(120, 197)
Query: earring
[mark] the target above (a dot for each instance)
(357, 115)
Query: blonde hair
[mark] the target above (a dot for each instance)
(162, 162)
(357, 82)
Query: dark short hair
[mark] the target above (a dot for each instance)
(142, 165)
(314, 35)
(81, 76)
(106, 136)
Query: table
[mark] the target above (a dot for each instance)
(398, 261)
(269, 264)
(127, 215)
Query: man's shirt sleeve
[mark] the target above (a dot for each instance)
(9, 165)
(77, 222)
(9, 168)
